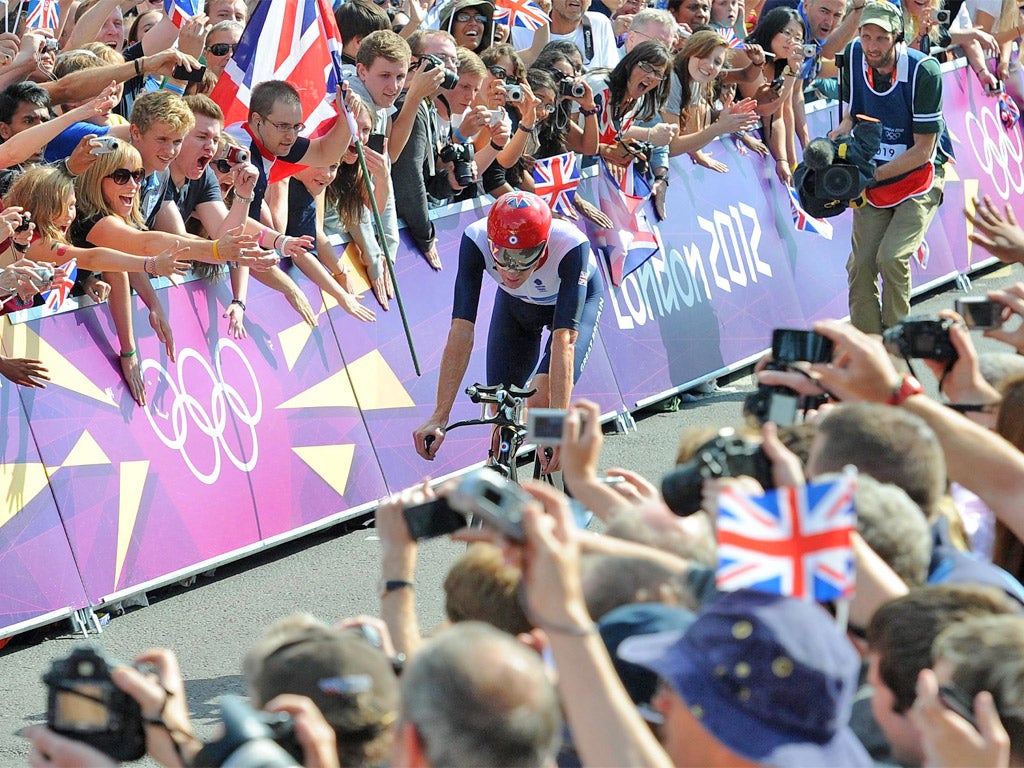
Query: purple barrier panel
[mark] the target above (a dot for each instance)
(40, 578)
(394, 401)
(148, 491)
(307, 452)
(725, 280)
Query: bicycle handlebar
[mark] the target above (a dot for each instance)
(509, 401)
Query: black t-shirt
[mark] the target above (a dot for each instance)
(78, 232)
(301, 210)
(195, 192)
(295, 155)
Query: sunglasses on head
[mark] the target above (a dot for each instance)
(122, 176)
(222, 49)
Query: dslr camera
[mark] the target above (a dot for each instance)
(250, 738)
(84, 704)
(926, 338)
(430, 61)
(835, 172)
(727, 455)
(26, 220)
(461, 158)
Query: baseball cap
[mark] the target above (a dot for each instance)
(633, 620)
(883, 14)
(770, 677)
(351, 681)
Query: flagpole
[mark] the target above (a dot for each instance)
(378, 226)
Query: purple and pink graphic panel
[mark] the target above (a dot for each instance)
(247, 440)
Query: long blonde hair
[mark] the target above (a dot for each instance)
(90, 184)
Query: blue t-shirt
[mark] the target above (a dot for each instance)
(65, 142)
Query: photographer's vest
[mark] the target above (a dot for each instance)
(894, 107)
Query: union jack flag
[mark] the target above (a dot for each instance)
(180, 11)
(42, 14)
(556, 179)
(803, 221)
(731, 38)
(520, 13)
(1009, 113)
(633, 239)
(791, 541)
(306, 53)
(55, 297)
(923, 254)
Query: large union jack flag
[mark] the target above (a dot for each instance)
(305, 51)
(520, 13)
(791, 541)
(803, 221)
(55, 297)
(556, 179)
(42, 14)
(180, 11)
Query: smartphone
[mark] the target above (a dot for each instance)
(181, 72)
(544, 425)
(791, 345)
(375, 141)
(980, 312)
(432, 519)
(957, 701)
(992, 90)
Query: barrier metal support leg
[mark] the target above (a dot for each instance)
(963, 282)
(82, 619)
(624, 423)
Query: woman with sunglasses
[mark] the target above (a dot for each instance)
(690, 106)
(221, 43)
(108, 216)
(471, 23)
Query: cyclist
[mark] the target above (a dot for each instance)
(547, 276)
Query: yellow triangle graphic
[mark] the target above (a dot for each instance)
(377, 386)
(949, 171)
(333, 392)
(86, 452)
(133, 483)
(19, 484)
(359, 279)
(20, 341)
(293, 340)
(331, 462)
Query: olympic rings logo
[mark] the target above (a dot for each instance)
(999, 158)
(212, 421)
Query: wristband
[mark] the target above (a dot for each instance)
(495, 146)
(68, 170)
(662, 178)
(146, 265)
(216, 251)
(169, 86)
(239, 302)
(458, 135)
(264, 232)
(393, 585)
(531, 129)
(282, 241)
(590, 112)
(126, 355)
(907, 387)
(138, 67)
(243, 197)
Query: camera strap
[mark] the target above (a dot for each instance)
(588, 40)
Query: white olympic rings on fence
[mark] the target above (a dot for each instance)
(213, 421)
(1001, 158)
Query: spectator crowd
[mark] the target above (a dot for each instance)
(562, 646)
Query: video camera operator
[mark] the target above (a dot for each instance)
(902, 88)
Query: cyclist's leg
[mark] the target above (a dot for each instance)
(513, 341)
(585, 333)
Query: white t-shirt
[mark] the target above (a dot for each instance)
(606, 55)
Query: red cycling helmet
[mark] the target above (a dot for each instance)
(518, 227)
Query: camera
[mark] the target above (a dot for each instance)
(26, 221)
(544, 425)
(486, 496)
(776, 404)
(236, 155)
(727, 455)
(495, 117)
(940, 16)
(926, 338)
(834, 172)
(642, 152)
(790, 346)
(461, 158)
(251, 738)
(103, 145)
(84, 704)
(810, 50)
(451, 78)
(572, 89)
(979, 312)
(993, 90)
(49, 46)
(513, 93)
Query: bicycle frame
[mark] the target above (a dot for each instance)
(509, 408)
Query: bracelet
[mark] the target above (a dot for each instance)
(279, 238)
(126, 355)
(264, 232)
(590, 112)
(525, 129)
(239, 302)
(458, 135)
(907, 387)
(138, 67)
(216, 251)
(243, 197)
(393, 585)
(495, 146)
(68, 170)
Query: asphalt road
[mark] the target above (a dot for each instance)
(331, 574)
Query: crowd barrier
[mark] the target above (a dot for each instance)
(246, 443)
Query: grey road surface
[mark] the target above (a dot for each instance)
(332, 574)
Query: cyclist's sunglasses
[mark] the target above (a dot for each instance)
(517, 259)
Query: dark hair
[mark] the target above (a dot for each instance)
(558, 50)
(268, 93)
(651, 52)
(358, 18)
(505, 51)
(768, 26)
(14, 94)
